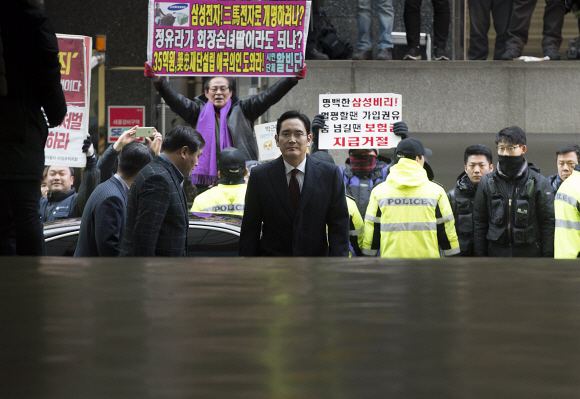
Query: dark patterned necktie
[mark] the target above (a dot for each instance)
(294, 190)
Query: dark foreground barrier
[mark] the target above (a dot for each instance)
(289, 328)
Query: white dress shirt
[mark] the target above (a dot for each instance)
(299, 176)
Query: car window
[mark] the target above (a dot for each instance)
(63, 245)
(211, 241)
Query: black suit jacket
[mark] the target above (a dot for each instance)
(157, 215)
(30, 52)
(284, 233)
(103, 222)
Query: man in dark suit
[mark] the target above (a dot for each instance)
(157, 214)
(293, 199)
(103, 223)
(30, 53)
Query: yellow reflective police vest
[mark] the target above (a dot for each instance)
(356, 228)
(221, 199)
(567, 211)
(409, 216)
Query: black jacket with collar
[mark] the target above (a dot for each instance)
(461, 198)
(157, 216)
(59, 206)
(514, 217)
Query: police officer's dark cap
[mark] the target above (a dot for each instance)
(411, 148)
(231, 160)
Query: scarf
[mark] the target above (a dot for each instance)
(362, 164)
(206, 170)
(511, 165)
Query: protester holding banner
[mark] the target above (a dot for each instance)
(62, 201)
(221, 117)
(30, 53)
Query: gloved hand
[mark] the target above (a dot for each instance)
(149, 72)
(400, 129)
(317, 123)
(88, 148)
(301, 74)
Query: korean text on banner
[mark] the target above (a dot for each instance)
(267, 147)
(64, 142)
(360, 120)
(124, 117)
(235, 38)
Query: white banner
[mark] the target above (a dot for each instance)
(267, 147)
(64, 142)
(360, 120)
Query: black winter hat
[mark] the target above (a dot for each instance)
(231, 160)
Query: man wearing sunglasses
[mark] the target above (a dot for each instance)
(513, 212)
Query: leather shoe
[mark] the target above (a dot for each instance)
(314, 54)
(385, 54)
(362, 55)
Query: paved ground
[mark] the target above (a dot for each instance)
(280, 328)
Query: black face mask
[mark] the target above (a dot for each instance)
(510, 165)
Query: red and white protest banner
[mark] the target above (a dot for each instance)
(360, 120)
(64, 142)
(124, 117)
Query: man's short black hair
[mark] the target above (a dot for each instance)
(511, 135)
(181, 136)
(569, 148)
(293, 115)
(478, 149)
(133, 157)
(231, 83)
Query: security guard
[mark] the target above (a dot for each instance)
(409, 216)
(567, 209)
(229, 195)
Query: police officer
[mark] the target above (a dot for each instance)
(229, 195)
(567, 211)
(477, 161)
(364, 168)
(513, 212)
(409, 216)
(356, 222)
(567, 159)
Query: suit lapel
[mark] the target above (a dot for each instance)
(310, 182)
(277, 175)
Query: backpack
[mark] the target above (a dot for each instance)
(333, 42)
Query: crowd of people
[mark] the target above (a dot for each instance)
(132, 201)
(511, 22)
